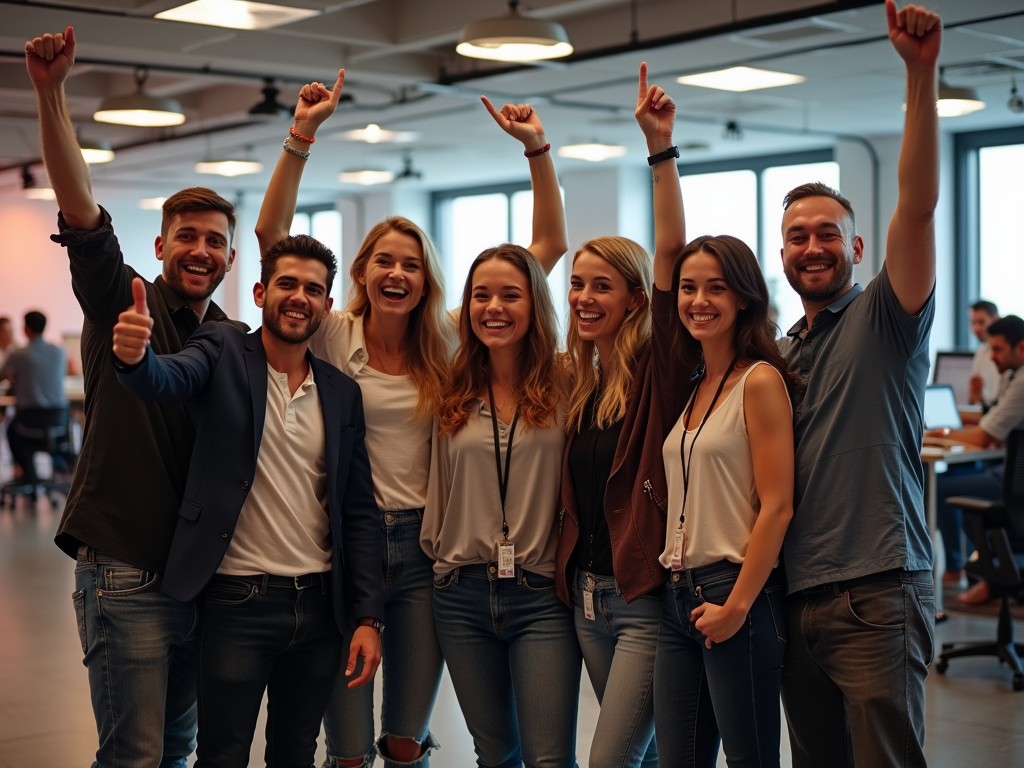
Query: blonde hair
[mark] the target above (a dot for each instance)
(431, 335)
(633, 336)
(538, 385)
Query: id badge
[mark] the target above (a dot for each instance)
(588, 604)
(677, 549)
(506, 560)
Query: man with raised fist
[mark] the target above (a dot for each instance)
(278, 522)
(138, 642)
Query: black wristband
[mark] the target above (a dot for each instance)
(666, 155)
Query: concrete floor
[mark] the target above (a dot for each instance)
(974, 718)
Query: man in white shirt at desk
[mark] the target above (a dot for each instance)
(986, 378)
(1006, 341)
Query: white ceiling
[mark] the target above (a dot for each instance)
(403, 73)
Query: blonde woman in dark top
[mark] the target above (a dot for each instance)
(628, 390)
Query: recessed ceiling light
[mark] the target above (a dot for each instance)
(374, 134)
(595, 153)
(229, 167)
(152, 203)
(95, 152)
(366, 177)
(514, 38)
(740, 79)
(236, 14)
(40, 193)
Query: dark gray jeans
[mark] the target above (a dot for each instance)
(854, 671)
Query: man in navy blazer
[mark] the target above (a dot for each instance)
(278, 522)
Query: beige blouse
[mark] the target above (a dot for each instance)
(462, 520)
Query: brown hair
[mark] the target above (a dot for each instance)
(431, 335)
(633, 336)
(196, 199)
(817, 189)
(754, 334)
(539, 378)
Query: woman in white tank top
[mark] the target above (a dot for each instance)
(729, 466)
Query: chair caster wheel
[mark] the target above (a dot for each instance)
(941, 666)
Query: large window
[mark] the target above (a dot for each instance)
(743, 198)
(471, 220)
(324, 223)
(989, 202)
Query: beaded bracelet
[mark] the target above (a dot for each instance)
(537, 152)
(297, 152)
(300, 137)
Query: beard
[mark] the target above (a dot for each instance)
(174, 278)
(273, 322)
(843, 273)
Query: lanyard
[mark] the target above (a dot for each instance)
(688, 460)
(502, 478)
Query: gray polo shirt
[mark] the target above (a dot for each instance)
(859, 497)
(38, 371)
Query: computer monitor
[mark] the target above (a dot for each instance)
(940, 409)
(955, 369)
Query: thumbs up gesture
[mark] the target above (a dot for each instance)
(134, 327)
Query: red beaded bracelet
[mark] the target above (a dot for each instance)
(538, 152)
(300, 137)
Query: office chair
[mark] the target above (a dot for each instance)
(52, 431)
(986, 523)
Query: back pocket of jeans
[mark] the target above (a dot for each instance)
(78, 599)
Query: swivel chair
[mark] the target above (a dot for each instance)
(987, 523)
(50, 430)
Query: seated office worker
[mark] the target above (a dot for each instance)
(37, 371)
(985, 376)
(858, 556)
(1006, 340)
(278, 522)
(138, 643)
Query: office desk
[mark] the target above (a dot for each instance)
(931, 456)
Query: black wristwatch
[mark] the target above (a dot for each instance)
(375, 623)
(666, 155)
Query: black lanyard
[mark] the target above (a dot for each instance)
(502, 478)
(688, 460)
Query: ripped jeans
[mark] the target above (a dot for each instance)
(412, 661)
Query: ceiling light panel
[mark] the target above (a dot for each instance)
(229, 167)
(374, 134)
(236, 14)
(594, 153)
(152, 203)
(740, 79)
(366, 177)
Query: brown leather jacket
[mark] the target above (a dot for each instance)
(636, 496)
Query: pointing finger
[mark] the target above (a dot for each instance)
(642, 90)
(336, 91)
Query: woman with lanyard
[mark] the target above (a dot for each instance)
(729, 464)
(490, 520)
(613, 478)
(395, 339)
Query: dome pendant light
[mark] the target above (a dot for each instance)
(514, 37)
(139, 109)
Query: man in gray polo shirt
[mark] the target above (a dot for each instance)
(857, 554)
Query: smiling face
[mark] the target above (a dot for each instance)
(599, 298)
(819, 248)
(501, 307)
(394, 276)
(196, 253)
(294, 301)
(707, 306)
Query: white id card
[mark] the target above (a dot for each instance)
(506, 560)
(588, 604)
(677, 549)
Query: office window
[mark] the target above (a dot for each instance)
(743, 198)
(1000, 204)
(325, 226)
(470, 221)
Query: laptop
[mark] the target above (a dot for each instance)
(940, 410)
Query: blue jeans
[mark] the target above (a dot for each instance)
(618, 647)
(739, 678)
(139, 647)
(271, 633)
(515, 665)
(853, 680)
(412, 661)
(986, 483)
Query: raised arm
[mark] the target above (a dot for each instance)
(316, 104)
(49, 60)
(916, 35)
(550, 240)
(656, 114)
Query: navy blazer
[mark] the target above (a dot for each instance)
(221, 376)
